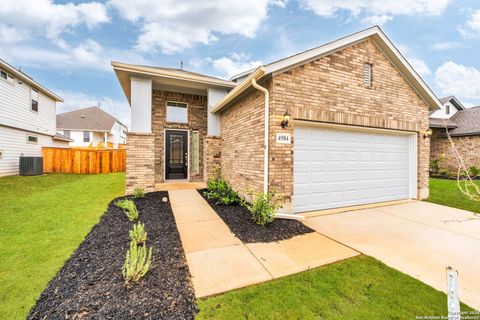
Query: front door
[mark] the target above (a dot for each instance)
(176, 154)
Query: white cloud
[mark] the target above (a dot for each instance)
(420, 66)
(77, 100)
(377, 19)
(175, 25)
(238, 62)
(46, 18)
(447, 45)
(377, 7)
(471, 29)
(459, 80)
(88, 55)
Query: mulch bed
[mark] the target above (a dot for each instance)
(239, 220)
(91, 286)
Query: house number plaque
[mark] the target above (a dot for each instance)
(284, 138)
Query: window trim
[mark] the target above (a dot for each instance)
(31, 100)
(370, 75)
(166, 111)
(89, 137)
(33, 136)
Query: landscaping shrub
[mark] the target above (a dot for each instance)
(262, 207)
(138, 233)
(219, 190)
(137, 262)
(138, 193)
(434, 166)
(129, 207)
(474, 171)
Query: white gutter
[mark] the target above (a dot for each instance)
(265, 145)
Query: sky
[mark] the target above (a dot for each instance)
(68, 46)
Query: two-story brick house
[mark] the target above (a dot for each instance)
(27, 118)
(339, 125)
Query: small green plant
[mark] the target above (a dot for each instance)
(129, 208)
(137, 262)
(138, 233)
(138, 193)
(219, 190)
(434, 166)
(262, 207)
(474, 171)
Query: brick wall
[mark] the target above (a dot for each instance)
(468, 147)
(242, 130)
(212, 155)
(329, 89)
(140, 162)
(197, 121)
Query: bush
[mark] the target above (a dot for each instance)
(262, 207)
(138, 193)
(129, 208)
(434, 166)
(138, 233)
(137, 263)
(219, 190)
(473, 171)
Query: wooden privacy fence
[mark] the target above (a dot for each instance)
(67, 160)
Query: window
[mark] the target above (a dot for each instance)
(66, 133)
(7, 77)
(367, 75)
(34, 98)
(195, 146)
(177, 112)
(447, 109)
(32, 139)
(86, 136)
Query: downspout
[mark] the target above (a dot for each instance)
(265, 144)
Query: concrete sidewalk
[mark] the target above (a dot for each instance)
(219, 261)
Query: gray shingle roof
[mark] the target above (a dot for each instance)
(439, 123)
(468, 122)
(91, 119)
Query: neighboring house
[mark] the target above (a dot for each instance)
(339, 125)
(92, 127)
(27, 118)
(463, 125)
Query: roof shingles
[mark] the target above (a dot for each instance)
(91, 119)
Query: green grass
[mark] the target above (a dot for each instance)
(358, 288)
(43, 220)
(446, 192)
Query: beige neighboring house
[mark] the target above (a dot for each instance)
(339, 125)
(463, 125)
(92, 127)
(27, 118)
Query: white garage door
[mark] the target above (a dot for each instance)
(344, 167)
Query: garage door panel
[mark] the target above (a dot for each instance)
(335, 168)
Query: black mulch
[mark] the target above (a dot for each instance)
(90, 285)
(239, 220)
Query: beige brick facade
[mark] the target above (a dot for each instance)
(140, 162)
(468, 147)
(242, 142)
(212, 156)
(329, 89)
(197, 121)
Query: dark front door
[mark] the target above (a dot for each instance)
(176, 155)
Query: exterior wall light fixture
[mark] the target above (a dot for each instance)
(427, 134)
(286, 120)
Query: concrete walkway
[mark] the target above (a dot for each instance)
(219, 261)
(418, 238)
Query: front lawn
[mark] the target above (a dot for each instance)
(446, 192)
(43, 219)
(357, 288)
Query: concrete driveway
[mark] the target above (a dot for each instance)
(417, 238)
